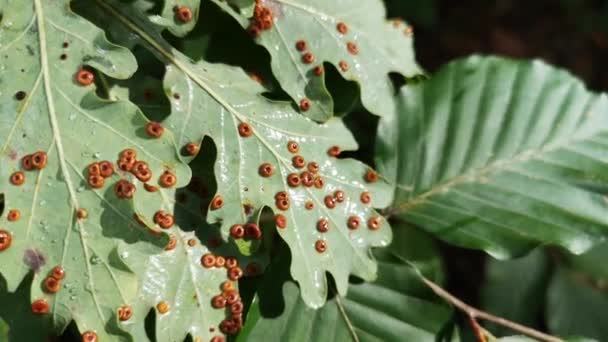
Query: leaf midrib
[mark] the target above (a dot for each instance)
(38, 8)
(474, 174)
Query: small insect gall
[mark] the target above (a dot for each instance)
(141, 170)
(227, 285)
(96, 182)
(353, 222)
(124, 312)
(191, 242)
(94, 169)
(245, 130)
(293, 180)
(266, 170)
(298, 162)
(293, 147)
(51, 285)
(301, 45)
(183, 14)
(26, 162)
(237, 308)
(154, 129)
(150, 188)
(334, 151)
(313, 167)
(231, 262)
(280, 221)
(365, 197)
(305, 105)
(191, 149)
(162, 307)
(13, 215)
(39, 160)
(124, 189)
(58, 272)
(84, 77)
(208, 260)
(220, 261)
(371, 176)
(374, 223)
(323, 225)
(281, 195)
(352, 48)
(17, 178)
(106, 169)
(253, 231)
(319, 182)
(307, 178)
(309, 205)
(164, 219)
(82, 213)
(343, 66)
(128, 153)
(167, 179)
(321, 246)
(40, 307)
(282, 203)
(217, 202)
(318, 70)
(89, 336)
(235, 273)
(329, 202)
(308, 58)
(339, 196)
(237, 231)
(342, 28)
(218, 302)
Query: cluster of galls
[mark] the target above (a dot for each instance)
(30, 162)
(262, 19)
(229, 298)
(309, 178)
(99, 171)
(250, 230)
(51, 285)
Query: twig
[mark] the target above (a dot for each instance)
(477, 329)
(474, 313)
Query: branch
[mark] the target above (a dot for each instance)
(474, 313)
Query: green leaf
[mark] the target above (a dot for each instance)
(396, 307)
(74, 128)
(383, 47)
(500, 155)
(177, 278)
(180, 28)
(577, 300)
(510, 283)
(213, 100)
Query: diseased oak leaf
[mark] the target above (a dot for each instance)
(302, 36)
(64, 212)
(271, 156)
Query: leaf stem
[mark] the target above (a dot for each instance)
(475, 313)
